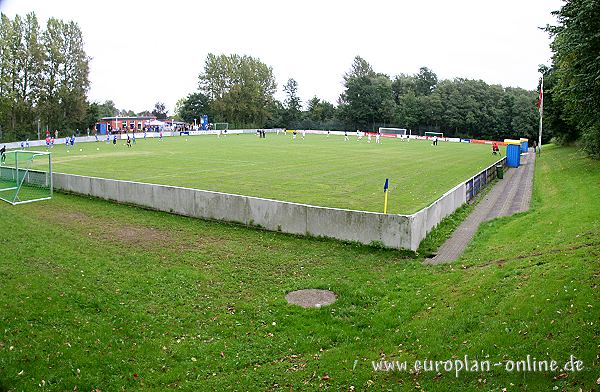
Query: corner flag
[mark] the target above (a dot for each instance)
(385, 191)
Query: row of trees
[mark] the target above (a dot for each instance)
(240, 90)
(420, 102)
(44, 83)
(44, 80)
(43, 76)
(572, 81)
(108, 109)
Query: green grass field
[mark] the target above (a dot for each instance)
(319, 171)
(99, 295)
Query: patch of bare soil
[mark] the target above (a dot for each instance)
(108, 229)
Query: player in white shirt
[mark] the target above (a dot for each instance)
(369, 138)
(378, 138)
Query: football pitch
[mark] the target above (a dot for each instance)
(319, 170)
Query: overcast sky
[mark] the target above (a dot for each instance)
(148, 51)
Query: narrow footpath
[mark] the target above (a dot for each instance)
(509, 196)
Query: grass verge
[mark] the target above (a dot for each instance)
(97, 295)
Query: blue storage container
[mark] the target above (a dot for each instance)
(513, 155)
(523, 146)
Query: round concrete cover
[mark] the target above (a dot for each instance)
(311, 298)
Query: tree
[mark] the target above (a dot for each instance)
(178, 107)
(127, 113)
(409, 110)
(93, 115)
(240, 89)
(556, 125)
(576, 46)
(192, 107)
(320, 111)
(160, 111)
(523, 118)
(65, 85)
(402, 85)
(43, 76)
(20, 73)
(360, 69)
(30, 66)
(276, 112)
(368, 97)
(425, 81)
(74, 78)
(107, 109)
(292, 103)
(433, 110)
(5, 73)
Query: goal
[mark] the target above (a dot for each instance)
(432, 134)
(394, 131)
(25, 176)
(220, 126)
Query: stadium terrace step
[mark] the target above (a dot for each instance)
(510, 196)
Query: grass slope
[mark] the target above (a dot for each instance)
(96, 295)
(318, 170)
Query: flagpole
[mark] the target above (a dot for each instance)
(541, 114)
(385, 202)
(385, 193)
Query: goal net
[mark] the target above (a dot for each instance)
(220, 126)
(394, 131)
(25, 176)
(432, 134)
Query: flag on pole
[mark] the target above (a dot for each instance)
(540, 106)
(385, 199)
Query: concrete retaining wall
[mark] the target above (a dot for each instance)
(429, 217)
(393, 231)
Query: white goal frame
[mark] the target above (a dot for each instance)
(432, 134)
(216, 128)
(397, 131)
(23, 174)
